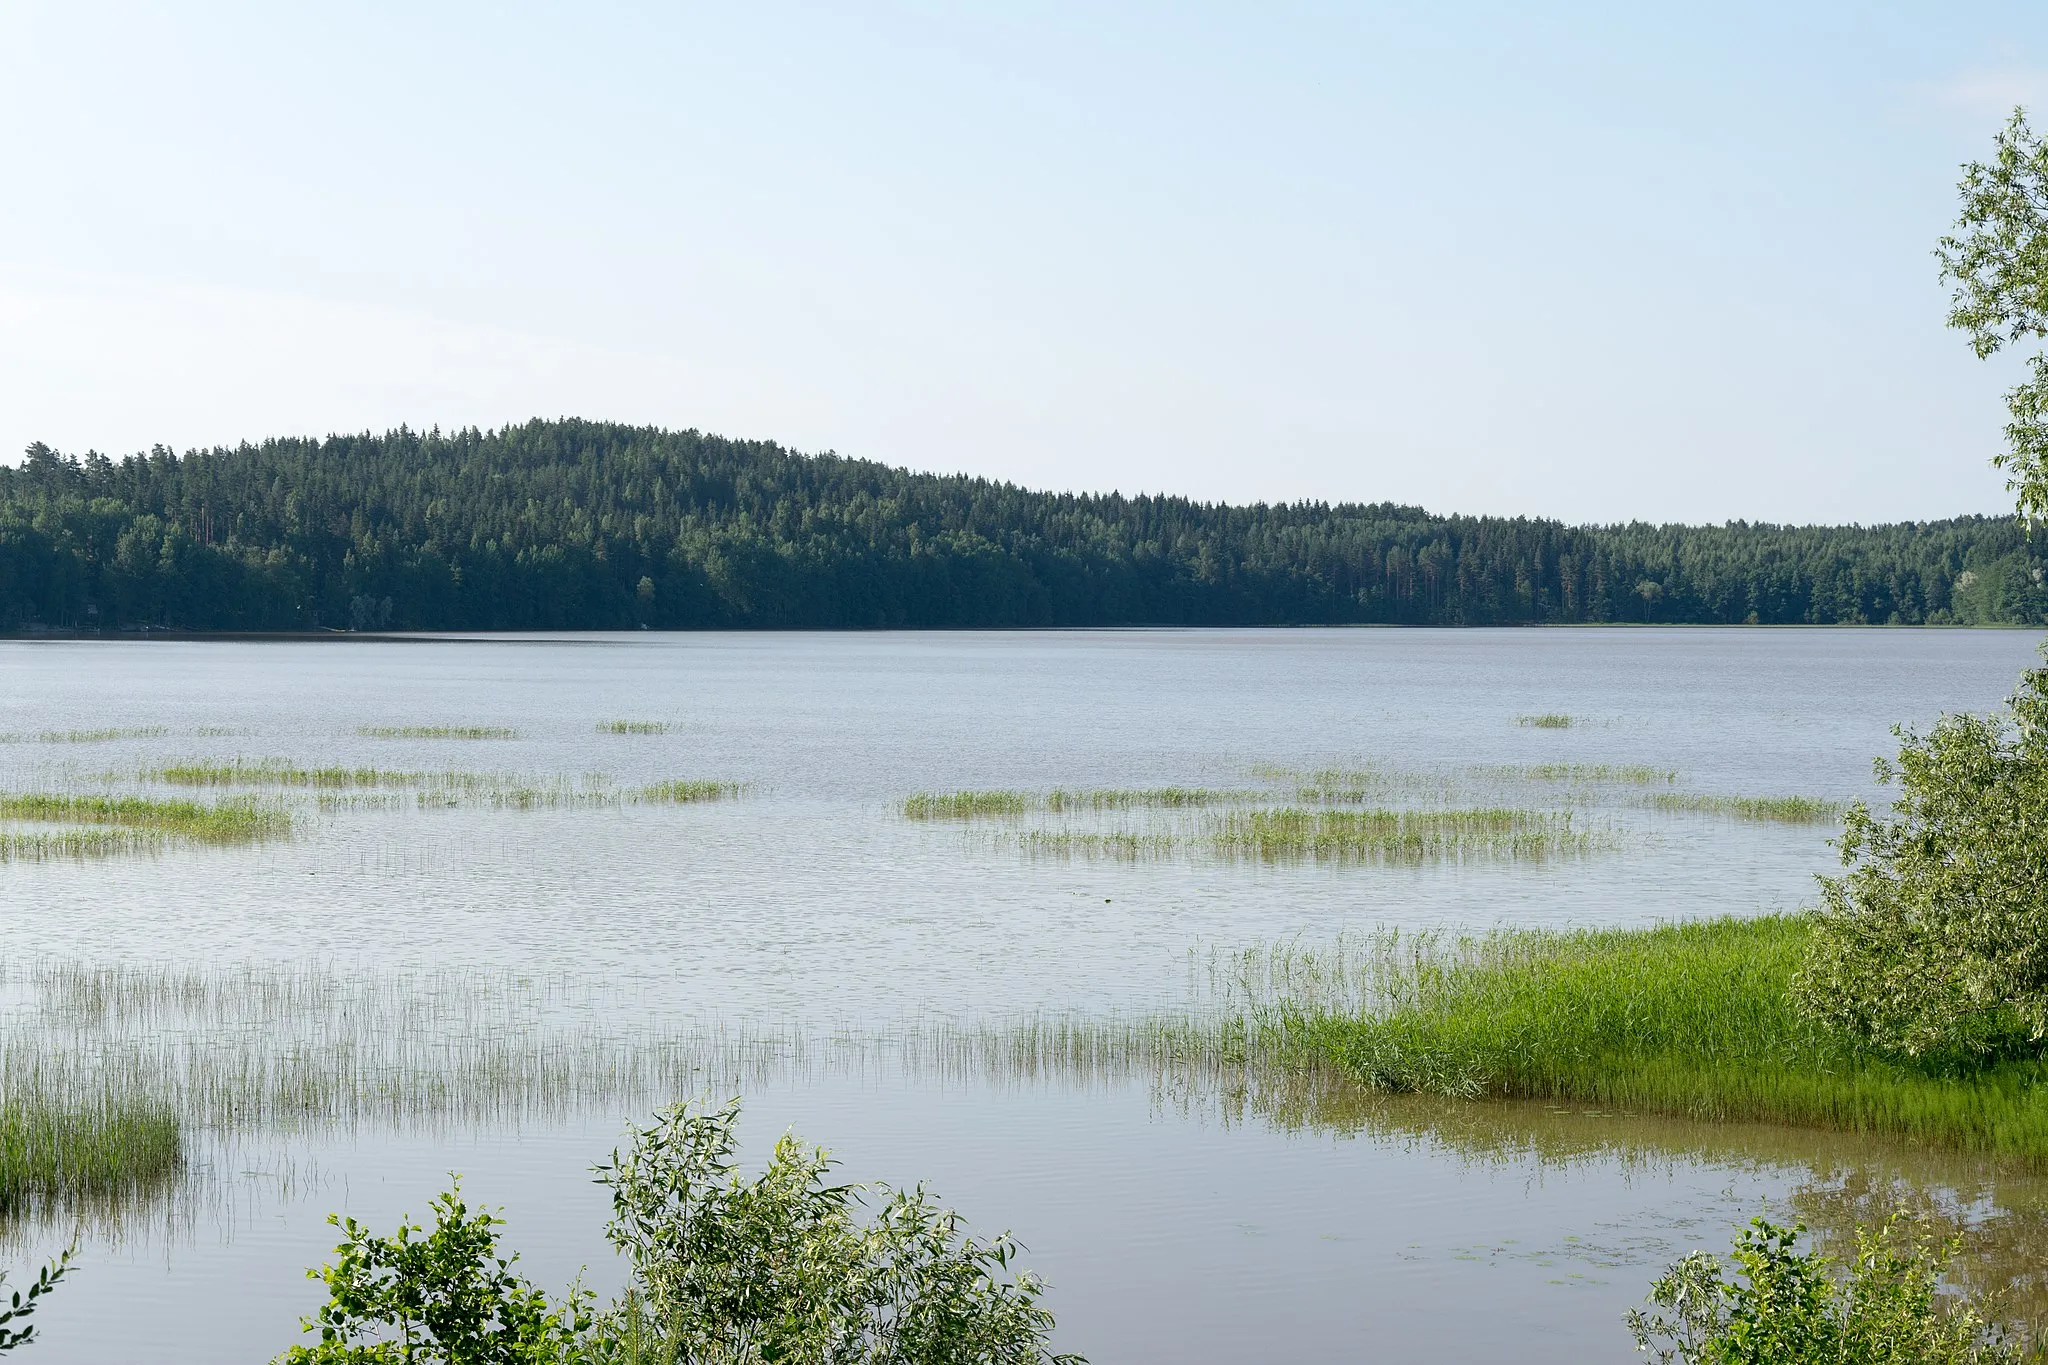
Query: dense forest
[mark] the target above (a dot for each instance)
(584, 525)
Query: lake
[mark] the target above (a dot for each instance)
(487, 954)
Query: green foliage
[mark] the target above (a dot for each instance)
(781, 1268)
(446, 1298)
(1692, 1019)
(1935, 940)
(1998, 262)
(584, 525)
(22, 1303)
(1790, 1308)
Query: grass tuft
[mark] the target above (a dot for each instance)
(1785, 810)
(1403, 836)
(634, 727)
(681, 792)
(228, 822)
(1547, 720)
(437, 732)
(63, 1156)
(968, 805)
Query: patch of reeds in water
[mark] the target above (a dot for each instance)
(682, 792)
(1397, 836)
(437, 732)
(101, 736)
(1783, 810)
(966, 805)
(281, 773)
(1122, 845)
(224, 822)
(45, 846)
(1580, 774)
(1547, 720)
(107, 1151)
(634, 727)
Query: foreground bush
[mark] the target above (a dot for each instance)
(1794, 1308)
(1935, 941)
(724, 1271)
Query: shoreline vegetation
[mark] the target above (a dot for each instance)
(579, 525)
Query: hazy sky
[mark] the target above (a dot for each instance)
(1591, 261)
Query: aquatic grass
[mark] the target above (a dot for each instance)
(1118, 844)
(634, 727)
(1137, 798)
(682, 792)
(1685, 1019)
(1547, 720)
(225, 822)
(44, 846)
(279, 773)
(109, 1149)
(1383, 835)
(1784, 810)
(437, 732)
(1579, 774)
(86, 736)
(965, 805)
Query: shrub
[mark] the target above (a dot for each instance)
(781, 1268)
(1791, 1308)
(22, 1303)
(1935, 940)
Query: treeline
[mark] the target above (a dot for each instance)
(584, 525)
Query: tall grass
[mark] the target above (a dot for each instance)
(87, 736)
(1692, 1020)
(683, 792)
(1581, 774)
(1784, 810)
(965, 805)
(1137, 798)
(437, 732)
(109, 1149)
(1547, 720)
(44, 846)
(225, 822)
(1396, 835)
(280, 773)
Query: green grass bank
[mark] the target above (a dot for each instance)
(1692, 1020)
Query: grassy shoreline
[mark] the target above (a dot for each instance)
(1690, 1020)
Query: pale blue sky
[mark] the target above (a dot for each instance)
(1594, 261)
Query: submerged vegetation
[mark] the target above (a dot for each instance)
(1397, 835)
(224, 822)
(1783, 810)
(87, 736)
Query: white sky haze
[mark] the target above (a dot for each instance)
(1593, 261)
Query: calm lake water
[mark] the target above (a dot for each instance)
(521, 894)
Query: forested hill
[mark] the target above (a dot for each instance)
(583, 525)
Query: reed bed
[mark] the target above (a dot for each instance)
(107, 1150)
(75, 845)
(681, 792)
(966, 805)
(1692, 1020)
(1139, 798)
(1580, 774)
(1123, 845)
(437, 732)
(281, 773)
(1397, 836)
(101, 736)
(1782, 810)
(635, 727)
(224, 822)
(1547, 720)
